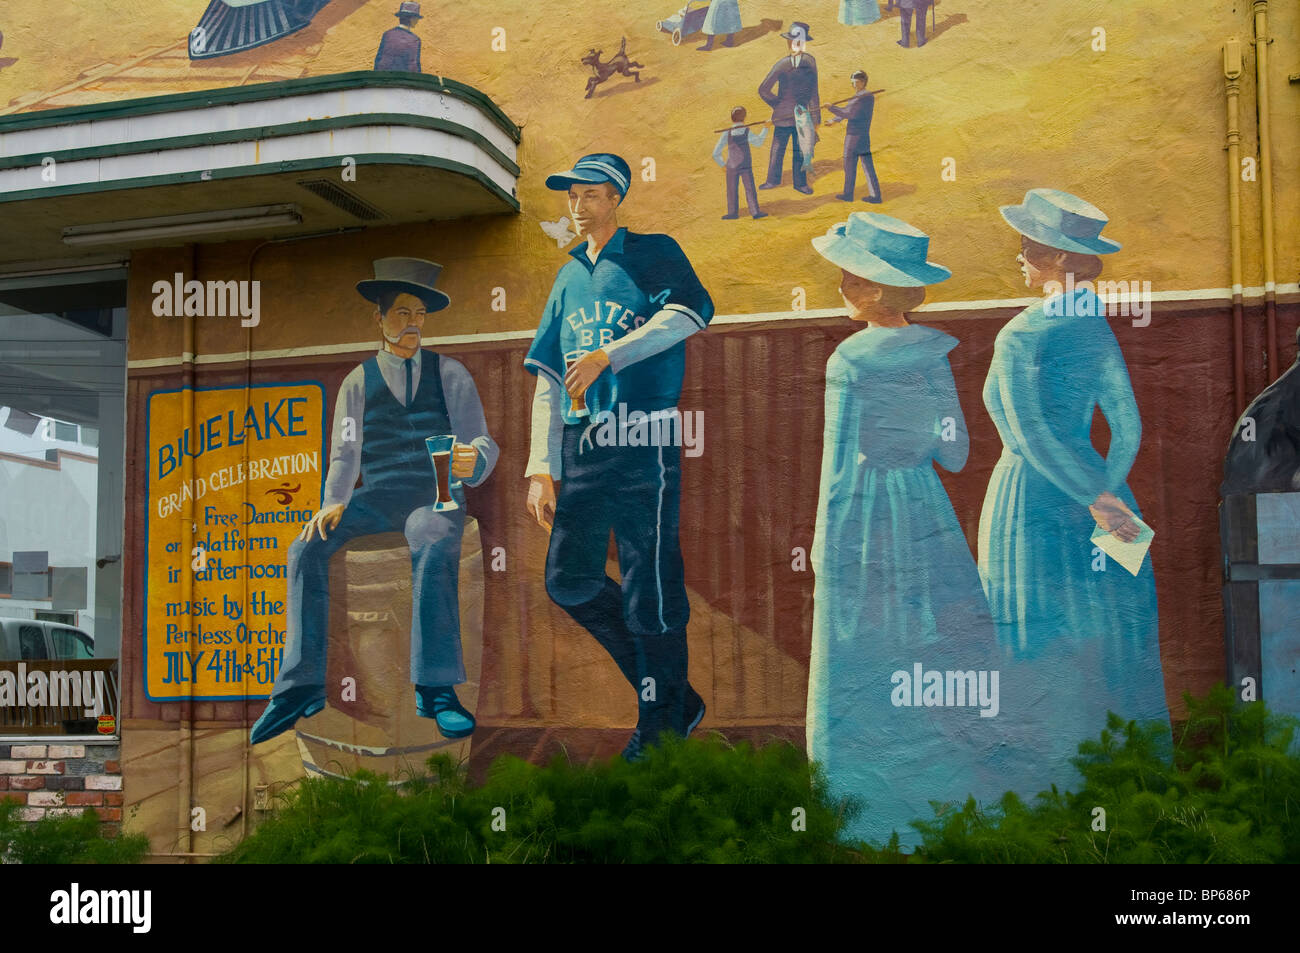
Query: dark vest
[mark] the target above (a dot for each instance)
(738, 155)
(393, 455)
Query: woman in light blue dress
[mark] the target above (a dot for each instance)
(723, 17)
(1078, 631)
(859, 12)
(896, 585)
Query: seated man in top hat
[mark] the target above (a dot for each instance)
(386, 408)
(399, 48)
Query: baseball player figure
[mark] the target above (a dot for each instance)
(611, 342)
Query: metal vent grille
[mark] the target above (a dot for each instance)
(343, 199)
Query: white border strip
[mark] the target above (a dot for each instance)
(80, 133)
(387, 140)
(1206, 295)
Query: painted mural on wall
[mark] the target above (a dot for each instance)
(954, 648)
(609, 357)
(409, 424)
(215, 597)
(1260, 524)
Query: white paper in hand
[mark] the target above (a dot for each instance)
(1128, 555)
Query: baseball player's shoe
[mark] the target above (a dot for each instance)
(286, 709)
(634, 750)
(442, 705)
(693, 709)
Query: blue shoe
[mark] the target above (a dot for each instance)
(634, 750)
(442, 705)
(286, 709)
(694, 711)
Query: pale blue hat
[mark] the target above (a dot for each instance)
(1060, 220)
(882, 249)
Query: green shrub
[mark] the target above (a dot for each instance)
(74, 839)
(692, 801)
(1230, 795)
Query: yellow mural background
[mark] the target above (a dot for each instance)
(1016, 95)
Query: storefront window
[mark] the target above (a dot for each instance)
(62, 433)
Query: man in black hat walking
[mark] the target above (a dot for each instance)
(386, 408)
(399, 48)
(791, 83)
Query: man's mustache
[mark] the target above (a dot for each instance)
(393, 339)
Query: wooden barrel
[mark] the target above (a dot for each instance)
(370, 642)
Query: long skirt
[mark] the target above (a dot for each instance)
(1078, 634)
(723, 18)
(859, 12)
(896, 588)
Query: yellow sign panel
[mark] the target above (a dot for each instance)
(257, 455)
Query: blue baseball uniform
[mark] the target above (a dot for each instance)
(633, 490)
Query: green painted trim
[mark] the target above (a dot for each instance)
(257, 92)
(266, 132)
(237, 172)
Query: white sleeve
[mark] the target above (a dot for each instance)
(465, 414)
(661, 332)
(548, 429)
(345, 455)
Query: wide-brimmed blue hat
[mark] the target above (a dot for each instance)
(798, 31)
(412, 275)
(882, 249)
(592, 170)
(1060, 220)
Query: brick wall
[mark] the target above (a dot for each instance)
(60, 779)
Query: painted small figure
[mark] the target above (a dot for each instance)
(399, 48)
(735, 143)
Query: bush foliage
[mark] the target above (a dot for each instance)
(692, 801)
(1231, 794)
(74, 839)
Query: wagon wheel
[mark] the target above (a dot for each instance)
(677, 37)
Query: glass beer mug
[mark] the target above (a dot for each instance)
(440, 450)
(579, 403)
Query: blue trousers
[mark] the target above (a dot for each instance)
(636, 492)
(434, 539)
(782, 136)
(851, 174)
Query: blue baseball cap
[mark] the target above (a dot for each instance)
(592, 170)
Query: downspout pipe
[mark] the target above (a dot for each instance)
(1262, 41)
(1232, 74)
(185, 743)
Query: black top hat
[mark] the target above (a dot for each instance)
(408, 9)
(412, 275)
